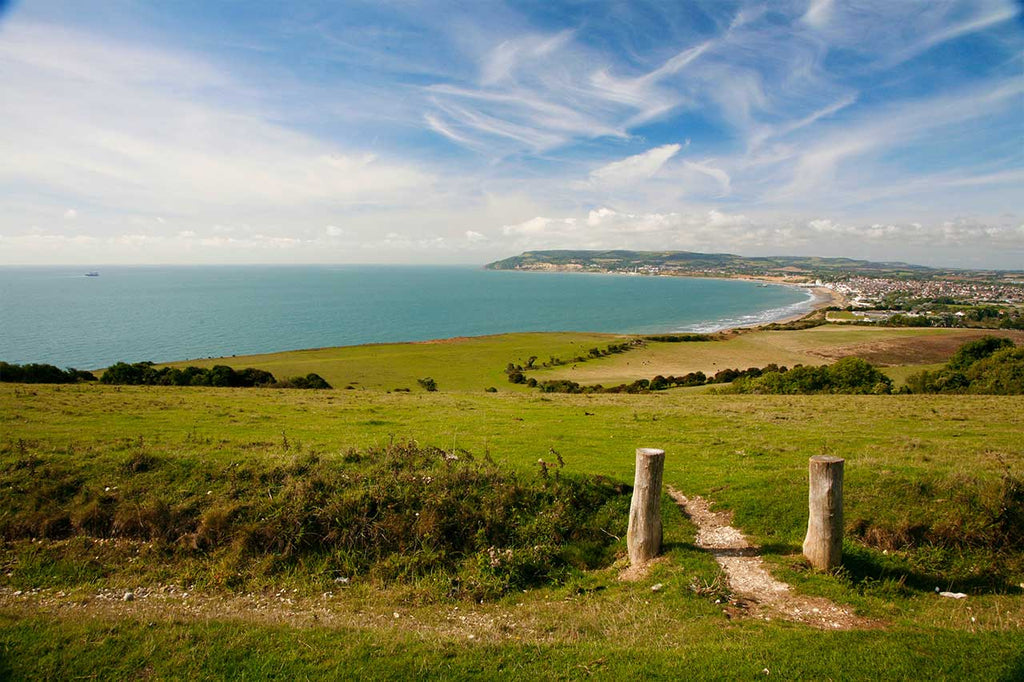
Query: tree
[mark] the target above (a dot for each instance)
(972, 351)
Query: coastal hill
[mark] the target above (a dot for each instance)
(730, 265)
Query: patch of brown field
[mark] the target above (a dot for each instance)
(918, 350)
(454, 339)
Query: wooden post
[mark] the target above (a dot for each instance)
(644, 536)
(823, 545)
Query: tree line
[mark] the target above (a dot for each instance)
(147, 374)
(35, 373)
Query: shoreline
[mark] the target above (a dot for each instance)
(821, 296)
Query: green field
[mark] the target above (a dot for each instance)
(925, 476)
(461, 364)
(475, 364)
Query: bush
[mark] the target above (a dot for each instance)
(680, 338)
(310, 381)
(146, 374)
(973, 351)
(427, 383)
(849, 375)
(990, 365)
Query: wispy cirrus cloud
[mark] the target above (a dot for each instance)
(635, 168)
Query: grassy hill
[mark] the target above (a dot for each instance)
(926, 480)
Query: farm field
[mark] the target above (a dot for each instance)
(474, 364)
(815, 346)
(925, 478)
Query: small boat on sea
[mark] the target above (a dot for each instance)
(92, 274)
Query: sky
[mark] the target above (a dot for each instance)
(398, 131)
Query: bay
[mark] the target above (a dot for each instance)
(56, 315)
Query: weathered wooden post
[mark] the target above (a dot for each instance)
(823, 545)
(644, 536)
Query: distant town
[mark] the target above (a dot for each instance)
(869, 292)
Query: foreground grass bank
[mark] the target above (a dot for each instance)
(923, 473)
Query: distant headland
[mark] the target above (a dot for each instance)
(694, 264)
(861, 282)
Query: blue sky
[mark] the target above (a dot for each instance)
(199, 131)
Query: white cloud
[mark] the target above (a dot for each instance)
(502, 61)
(818, 12)
(899, 126)
(990, 16)
(334, 231)
(717, 174)
(635, 168)
(595, 217)
(716, 230)
(70, 214)
(540, 225)
(475, 237)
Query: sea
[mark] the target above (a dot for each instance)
(60, 316)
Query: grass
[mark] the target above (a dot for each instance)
(36, 646)
(462, 364)
(922, 472)
(900, 373)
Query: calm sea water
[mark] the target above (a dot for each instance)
(57, 315)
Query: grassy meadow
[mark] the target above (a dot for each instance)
(929, 503)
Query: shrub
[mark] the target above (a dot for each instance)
(849, 375)
(680, 338)
(988, 365)
(310, 381)
(973, 351)
(145, 373)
